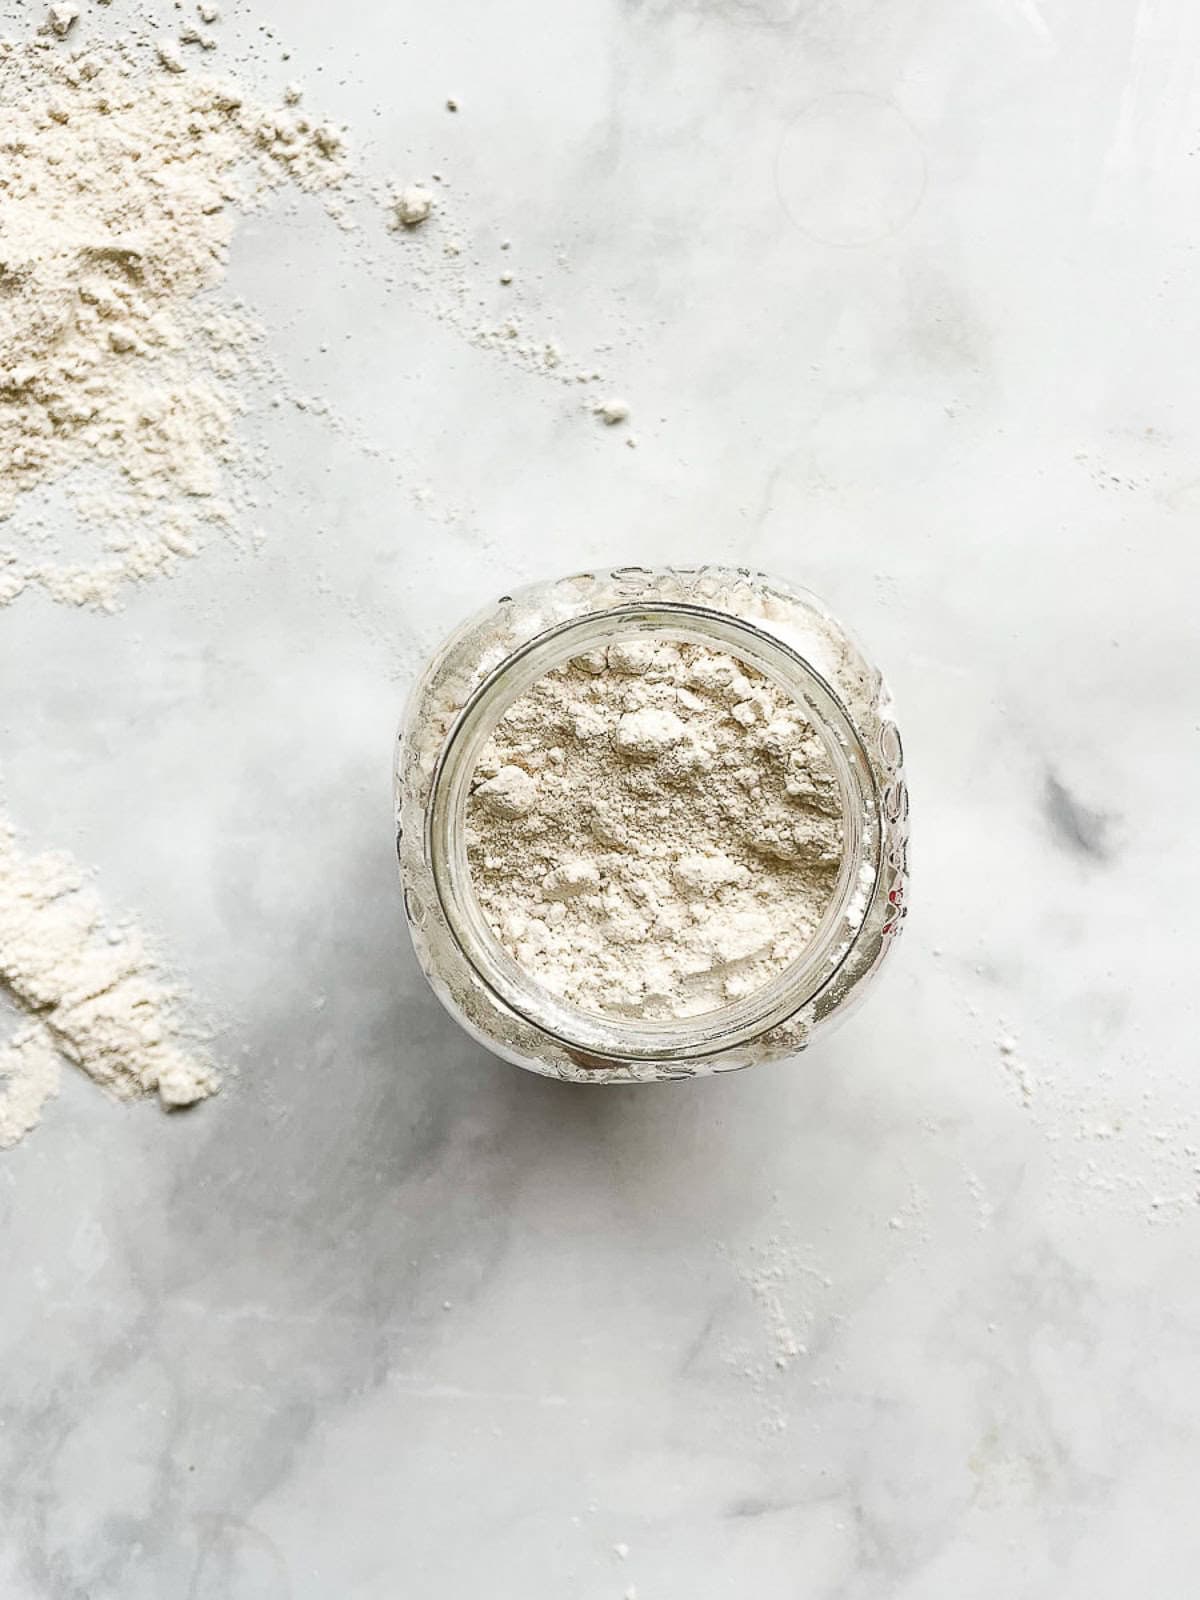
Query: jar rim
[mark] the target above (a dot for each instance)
(613, 1038)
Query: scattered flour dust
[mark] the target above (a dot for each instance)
(119, 183)
(1136, 1150)
(654, 830)
(444, 270)
(790, 1294)
(90, 992)
(771, 1272)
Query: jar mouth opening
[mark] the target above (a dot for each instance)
(611, 1036)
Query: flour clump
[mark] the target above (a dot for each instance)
(654, 830)
(62, 19)
(413, 206)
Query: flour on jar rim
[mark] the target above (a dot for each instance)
(654, 830)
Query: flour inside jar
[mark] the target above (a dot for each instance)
(654, 830)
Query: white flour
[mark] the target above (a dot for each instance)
(613, 411)
(412, 206)
(654, 831)
(29, 1072)
(62, 19)
(91, 991)
(118, 186)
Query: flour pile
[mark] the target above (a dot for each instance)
(90, 992)
(654, 830)
(119, 185)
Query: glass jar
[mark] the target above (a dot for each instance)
(492, 660)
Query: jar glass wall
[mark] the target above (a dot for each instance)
(495, 658)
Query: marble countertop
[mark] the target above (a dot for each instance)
(902, 297)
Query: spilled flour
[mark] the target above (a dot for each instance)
(90, 992)
(119, 185)
(124, 169)
(654, 830)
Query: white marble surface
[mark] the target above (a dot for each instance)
(903, 296)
